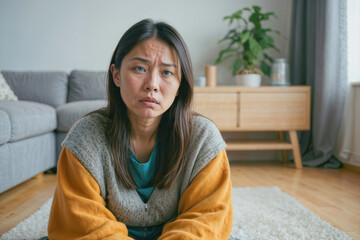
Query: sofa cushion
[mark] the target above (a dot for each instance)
(5, 127)
(69, 113)
(86, 85)
(29, 118)
(44, 87)
(6, 93)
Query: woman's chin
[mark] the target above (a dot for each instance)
(148, 113)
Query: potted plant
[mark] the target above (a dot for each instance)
(248, 41)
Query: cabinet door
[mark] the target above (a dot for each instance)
(274, 111)
(219, 107)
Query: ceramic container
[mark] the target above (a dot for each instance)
(249, 80)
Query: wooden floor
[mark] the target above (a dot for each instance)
(334, 195)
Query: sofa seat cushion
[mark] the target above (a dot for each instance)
(29, 119)
(5, 127)
(69, 113)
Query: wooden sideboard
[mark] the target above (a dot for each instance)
(267, 108)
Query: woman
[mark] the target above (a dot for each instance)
(145, 167)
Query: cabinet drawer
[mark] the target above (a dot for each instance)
(219, 107)
(274, 111)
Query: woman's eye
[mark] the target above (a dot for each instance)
(167, 73)
(139, 69)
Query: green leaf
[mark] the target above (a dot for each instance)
(247, 9)
(237, 14)
(244, 36)
(255, 47)
(268, 39)
(229, 36)
(270, 14)
(235, 40)
(222, 52)
(276, 49)
(261, 16)
(227, 57)
(260, 34)
(268, 58)
(253, 18)
(265, 68)
(231, 33)
(257, 9)
(221, 40)
(263, 44)
(231, 21)
(237, 64)
(257, 27)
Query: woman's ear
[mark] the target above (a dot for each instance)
(115, 75)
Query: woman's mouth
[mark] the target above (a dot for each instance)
(149, 101)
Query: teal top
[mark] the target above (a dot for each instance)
(143, 174)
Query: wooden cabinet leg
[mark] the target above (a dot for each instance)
(283, 152)
(40, 175)
(296, 149)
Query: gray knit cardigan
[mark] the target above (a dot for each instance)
(87, 141)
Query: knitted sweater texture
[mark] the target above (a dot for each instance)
(88, 142)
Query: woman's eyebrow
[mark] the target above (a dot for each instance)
(139, 59)
(169, 65)
(146, 61)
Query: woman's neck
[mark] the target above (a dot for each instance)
(144, 129)
(143, 136)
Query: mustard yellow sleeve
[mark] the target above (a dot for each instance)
(205, 208)
(78, 211)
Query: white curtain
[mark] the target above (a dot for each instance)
(348, 144)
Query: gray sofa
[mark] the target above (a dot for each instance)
(32, 129)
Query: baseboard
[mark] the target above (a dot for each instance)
(351, 167)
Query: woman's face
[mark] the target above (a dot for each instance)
(149, 79)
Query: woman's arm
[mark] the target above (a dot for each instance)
(78, 211)
(205, 208)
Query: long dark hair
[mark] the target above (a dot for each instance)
(176, 123)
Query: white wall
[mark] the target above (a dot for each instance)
(48, 35)
(66, 35)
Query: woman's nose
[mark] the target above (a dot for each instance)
(152, 82)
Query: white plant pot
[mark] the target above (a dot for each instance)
(249, 80)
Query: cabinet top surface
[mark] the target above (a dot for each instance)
(235, 89)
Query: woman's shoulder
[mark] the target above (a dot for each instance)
(201, 124)
(93, 118)
(205, 134)
(88, 131)
(91, 122)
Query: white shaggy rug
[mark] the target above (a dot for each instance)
(259, 213)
